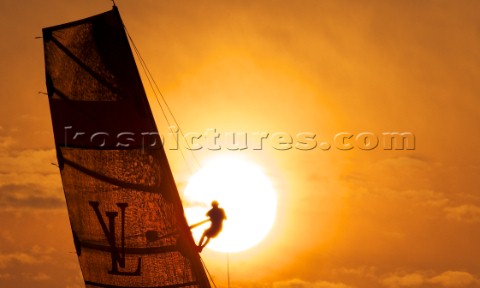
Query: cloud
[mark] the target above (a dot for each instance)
(28, 180)
(408, 280)
(6, 236)
(297, 283)
(41, 277)
(28, 196)
(22, 258)
(362, 271)
(6, 141)
(36, 255)
(27, 161)
(454, 279)
(463, 213)
(73, 286)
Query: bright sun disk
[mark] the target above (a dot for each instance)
(247, 196)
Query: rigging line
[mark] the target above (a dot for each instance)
(159, 92)
(144, 65)
(228, 270)
(150, 79)
(149, 74)
(146, 74)
(173, 116)
(208, 272)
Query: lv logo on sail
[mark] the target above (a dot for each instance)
(118, 257)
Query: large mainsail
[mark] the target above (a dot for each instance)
(126, 216)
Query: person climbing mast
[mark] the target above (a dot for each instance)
(216, 215)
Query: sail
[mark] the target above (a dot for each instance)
(126, 216)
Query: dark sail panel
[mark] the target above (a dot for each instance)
(125, 212)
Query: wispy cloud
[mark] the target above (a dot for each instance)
(23, 258)
(454, 279)
(41, 277)
(26, 161)
(28, 180)
(36, 255)
(6, 141)
(407, 280)
(447, 279)
(463, 213)
(298, 283)
(28, 196)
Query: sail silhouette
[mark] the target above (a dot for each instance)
(126, 215)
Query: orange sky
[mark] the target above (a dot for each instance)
(354, 218)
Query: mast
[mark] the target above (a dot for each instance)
(125, 212)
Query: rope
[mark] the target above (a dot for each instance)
(153, 86)
(228, 270)
(208, 272)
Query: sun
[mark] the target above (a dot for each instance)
(243, 191)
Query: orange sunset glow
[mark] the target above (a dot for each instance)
(355, 124)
